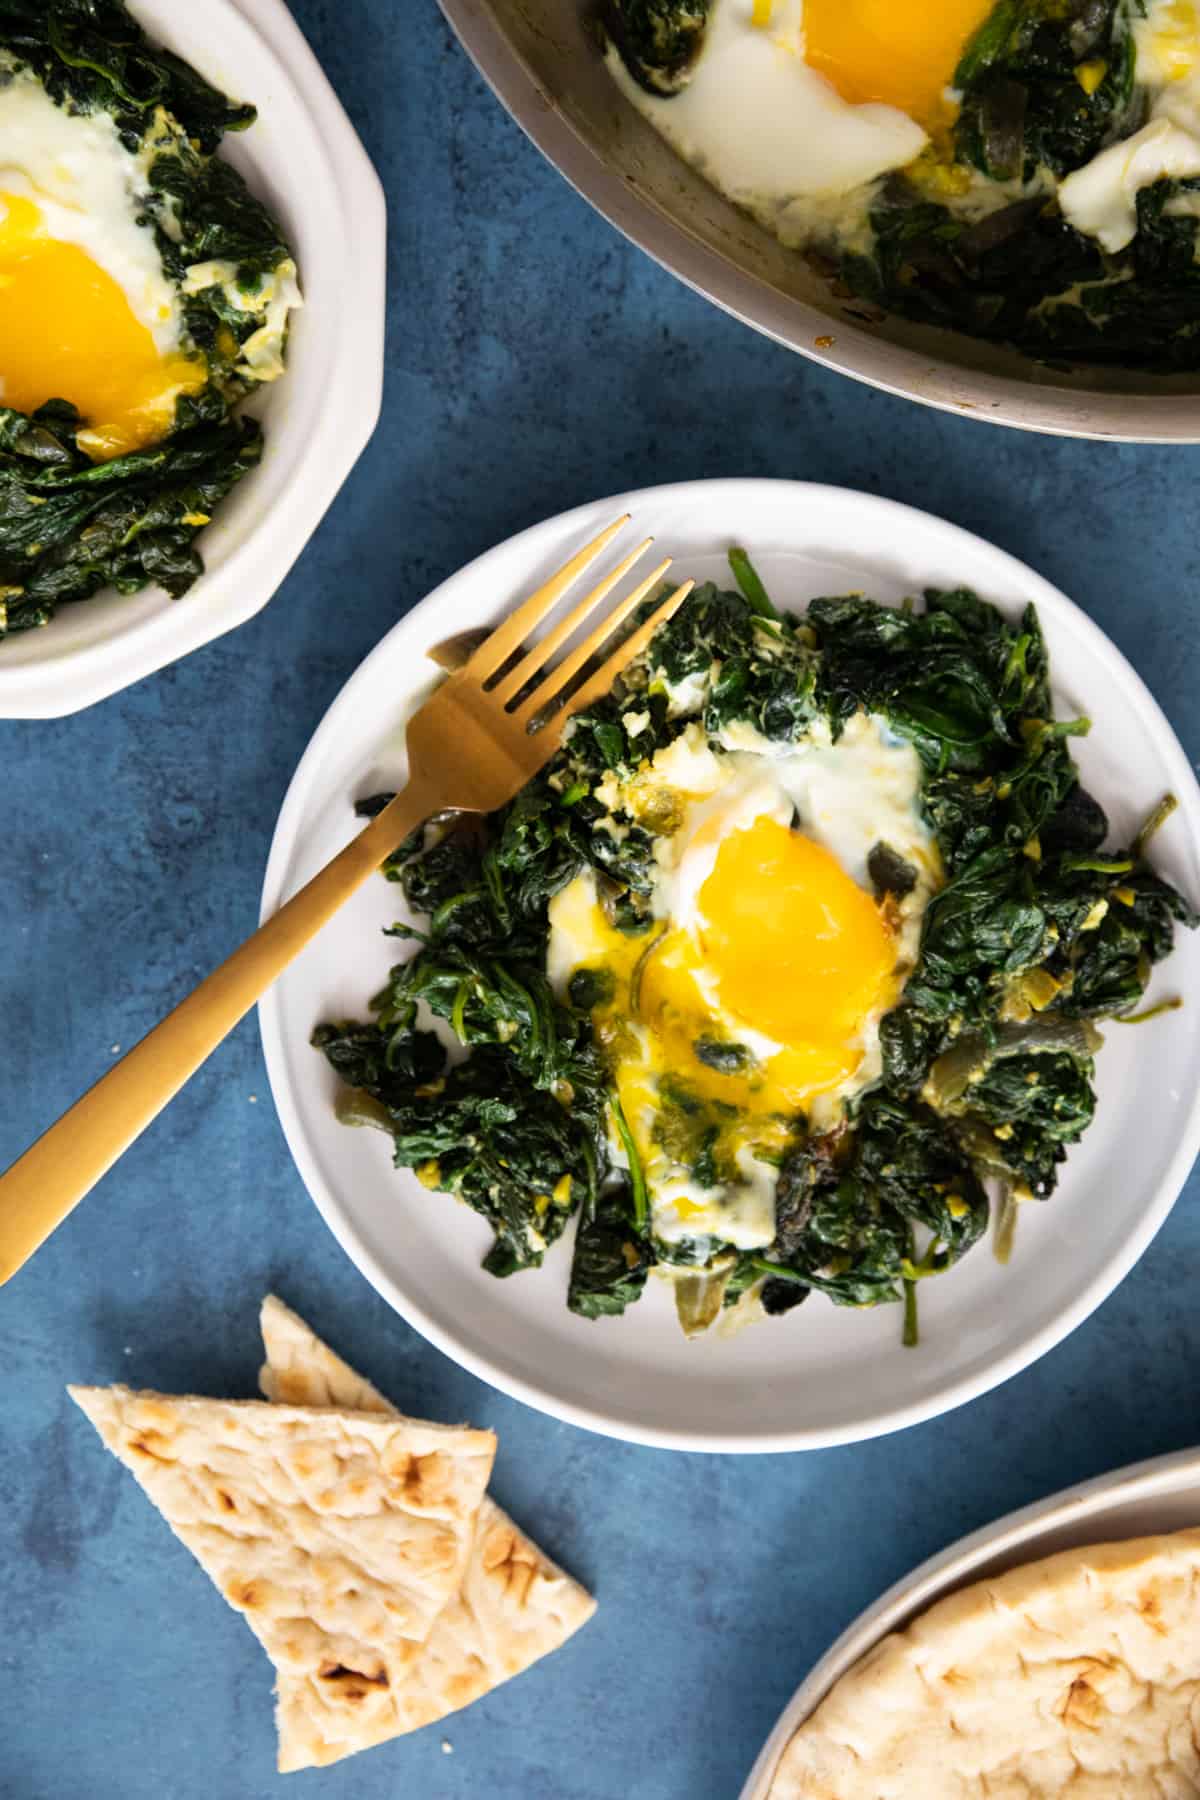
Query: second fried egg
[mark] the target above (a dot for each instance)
(87, 313)
(755, 996)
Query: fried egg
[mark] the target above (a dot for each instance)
(809, 100)
(1100, 199)
(755, 996)
(87, 313)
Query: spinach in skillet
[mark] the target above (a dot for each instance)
(659, 40)
(80, 509)
(970, 235)
(1035, 933)
(1046, 85)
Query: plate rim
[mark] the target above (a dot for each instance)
(251, 572)
(955, 1566)
(589, 1417)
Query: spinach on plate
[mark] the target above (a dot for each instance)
(75, 517)
(1035, 932)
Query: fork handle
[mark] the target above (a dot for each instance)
(55, 1173)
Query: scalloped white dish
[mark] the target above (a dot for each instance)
(302, 156)
(1140, 1500)
(822, 1375)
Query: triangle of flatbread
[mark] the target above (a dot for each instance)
(514, 1606)
(339, 1536)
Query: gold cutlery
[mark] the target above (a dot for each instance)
(472, 746)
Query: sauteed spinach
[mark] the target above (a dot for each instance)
(1021, 273)
(970, 236)
(71, 525)
(658, 39)
(1036, 932)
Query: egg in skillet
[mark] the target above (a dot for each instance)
(755, 996)
(807, 101)
(89, 312)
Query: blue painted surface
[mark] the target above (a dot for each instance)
(534, 361)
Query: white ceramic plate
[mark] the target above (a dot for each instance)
(1146, 1498)
(822, 1375)
(303, 158)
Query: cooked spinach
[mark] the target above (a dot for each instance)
(987, 1061)
(1046, 85)
(1025, 277)
(70, 525)
(481, 1130)
(518, 1130)
(764, 673)
(612, 1259)
(1026, 103)
(659, 40)
(845, 1210)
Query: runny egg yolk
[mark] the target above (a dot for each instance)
(795, 947)
(68, 332)
(784, 951)
(900, 53)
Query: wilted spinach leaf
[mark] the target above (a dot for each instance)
(611, 1261)
(659, 40)
(69, 526)
(1047, 85)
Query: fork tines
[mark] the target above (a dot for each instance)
(507, 663)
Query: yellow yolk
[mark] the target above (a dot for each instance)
(67, 332)
(798, 950)
(787, 946)
(1174, 34)
(900, 53)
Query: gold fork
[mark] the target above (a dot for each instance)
(476, 741)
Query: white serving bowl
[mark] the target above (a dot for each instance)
(822, 1375)
(303, 158)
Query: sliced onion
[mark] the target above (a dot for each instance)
(972, 1055)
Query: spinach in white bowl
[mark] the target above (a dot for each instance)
(144, 292)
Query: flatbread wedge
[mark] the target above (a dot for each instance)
(1073, 1678)
(339, 1536)
(514, 1606)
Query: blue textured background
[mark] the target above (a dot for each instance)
(534, 361)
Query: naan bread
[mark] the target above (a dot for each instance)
(1075, 1678)
(339, 1536)
(514, 1606)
